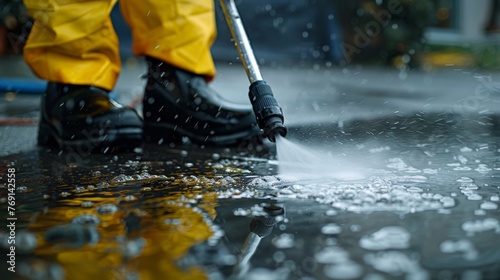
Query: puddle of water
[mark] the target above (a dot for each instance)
(138, 220)
(379, 193)
(408, 213)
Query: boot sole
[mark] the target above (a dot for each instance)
(116, 139)
(171, 134)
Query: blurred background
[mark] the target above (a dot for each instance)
(397, 33)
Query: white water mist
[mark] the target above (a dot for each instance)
(303, 162)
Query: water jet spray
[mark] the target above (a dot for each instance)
(267, 110)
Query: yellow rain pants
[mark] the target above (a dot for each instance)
(73, 41)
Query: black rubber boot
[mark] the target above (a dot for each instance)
(84, 119)
(180, 104)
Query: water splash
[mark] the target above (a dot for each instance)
(380, 193)
(299, 161)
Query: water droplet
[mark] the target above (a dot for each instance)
(86, 219)
(483, 168)
(345, 270)
(64, 194)
(283, 241)
(331, 229)
(465, 150)
(462, 246)
(332, 254)
(133, 248)
(40, 269)
(474, 196)
(22, 189)
(130, 197)
(331, 212)
(172, 221)
(396, 264)
(479, 212)
(406, 58)
(80, 189)
(449, 246)
(355, 228)
(227, 180)
(240, 212)
(415, 189)
(489, 205)
(70, 104)
(447, 202)
(481, 225)
(106, 209)
(215, 156)
(391, 237)
(279, 256)
(87, 204)
(465, 180)
(26, 241)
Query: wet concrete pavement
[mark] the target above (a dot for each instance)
(309, 94)
(412, 191)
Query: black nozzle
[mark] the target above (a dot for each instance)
(267, 111)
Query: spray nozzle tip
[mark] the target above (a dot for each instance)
(275, 129)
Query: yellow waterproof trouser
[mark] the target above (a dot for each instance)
(73, 41)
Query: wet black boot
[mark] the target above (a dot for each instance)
(180, 104)
(84, 119)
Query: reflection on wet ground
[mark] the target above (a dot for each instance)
(424, 205)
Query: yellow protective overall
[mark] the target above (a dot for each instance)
(73, 41)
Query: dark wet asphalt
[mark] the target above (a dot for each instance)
(425, 206)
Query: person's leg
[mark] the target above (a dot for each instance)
(175, 36)
(175, 31)
(73, 46)
(73, 42)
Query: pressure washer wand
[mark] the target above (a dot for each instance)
(267, 110)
